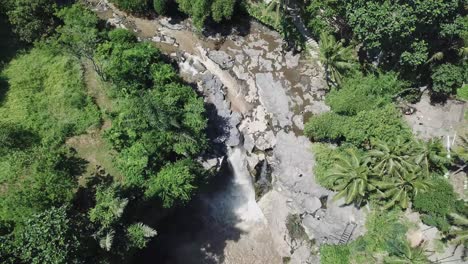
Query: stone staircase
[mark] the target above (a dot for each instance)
(347, 233)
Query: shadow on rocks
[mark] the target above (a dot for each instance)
(198, 232)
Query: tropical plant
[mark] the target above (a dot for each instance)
(350, 177)
(109, 206)
(391, 158)
(139, 234)
(401, 188)
(336, 58)
(430, 156)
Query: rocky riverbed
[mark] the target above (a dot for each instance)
(258, 96)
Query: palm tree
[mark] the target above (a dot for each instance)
(401, 188)
(350, 177)
(430, 156)
(391, 158)
(336, 58)
(459, 231)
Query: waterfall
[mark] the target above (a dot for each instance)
(242, 192)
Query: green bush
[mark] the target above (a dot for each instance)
(325, 159)
(359, 93)
(328, 126)
(436, 204)
(439, 200)
(446, 78)
(135, 6)
(439, 221)
(334, 254)
(384, 124)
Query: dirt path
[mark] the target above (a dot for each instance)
(91, 146)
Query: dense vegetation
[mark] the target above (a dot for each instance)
(378, 55)
(49, 211)
(199, 10)
(373, 72)
(425, 41)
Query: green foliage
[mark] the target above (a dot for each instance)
(200, 10)
(321, 16)
(121, 36)
(436, 204)
(417, 54)
(79, 33)
(334, 254)
(222, 9)
(459, 230)
(392, 158)
(160, 6)
(139, 234)
(31, 19)
(398, 191)
(325, 159)
(431, 156)
(126, 64)
(13, 138)
(373, 25)
(404, 253)
(34, 181)
(109, 206)
(438, 221)
(47, 96)
(337, 59)
(175, 182)
(47, 238)
(328, 126)
(382, 124)
(358, 93)
(135, 6)
(161, 121)
(446, 78)
(350, 176)
(462, 93)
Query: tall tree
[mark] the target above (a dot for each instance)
(31, 19)
(337, 59)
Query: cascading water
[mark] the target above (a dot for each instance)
(242, 192)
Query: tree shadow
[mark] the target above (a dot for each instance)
(199, 231)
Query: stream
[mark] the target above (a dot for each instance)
(258, 97)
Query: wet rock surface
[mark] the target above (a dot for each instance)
(258, 97)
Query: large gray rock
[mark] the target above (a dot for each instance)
(273, 97)
(221, 58)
